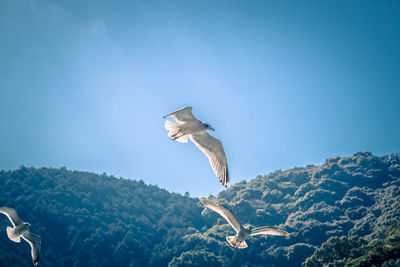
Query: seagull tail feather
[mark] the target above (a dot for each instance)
(233, 241)
(12, 236)
(174, 133)
(171, 126)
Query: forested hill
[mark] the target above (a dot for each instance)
(344, 212)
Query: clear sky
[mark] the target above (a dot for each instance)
(84, 84)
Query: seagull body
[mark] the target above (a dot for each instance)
(187, 126)
(15, 233)
(21, 229)
(242, 232)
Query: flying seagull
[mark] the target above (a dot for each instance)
(242, 233)
(188, 126)
(21, 229)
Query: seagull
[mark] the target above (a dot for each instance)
(20, 229)
(242, 233)
(187, 126)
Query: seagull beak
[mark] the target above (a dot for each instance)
(212, 129)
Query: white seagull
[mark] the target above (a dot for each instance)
(190, 127)
(20, 229)
(242, 233)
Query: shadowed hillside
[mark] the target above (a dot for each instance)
(84, 219)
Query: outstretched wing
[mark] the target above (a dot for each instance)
(215, 153)
(265, 230)
(224, 212)
(182, 114)
(34, 242)
(12, 215)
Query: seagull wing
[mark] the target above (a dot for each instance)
(34, 242)
(215, 153)
(265, 230)
(12, 215)
(224, 212)
(182, 114)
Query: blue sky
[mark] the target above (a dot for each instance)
(84, 84)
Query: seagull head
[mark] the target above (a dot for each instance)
(207, 126)
(27, 224)
(248, 227)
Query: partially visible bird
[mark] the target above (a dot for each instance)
(21, 229)
(190, 127)
(242, 233)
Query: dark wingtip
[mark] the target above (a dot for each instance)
(35, 261)
(286, 234)
(225, 182)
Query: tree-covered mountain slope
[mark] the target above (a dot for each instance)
(382, 250)
(86, 219)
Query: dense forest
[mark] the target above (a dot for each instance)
(342, 213)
